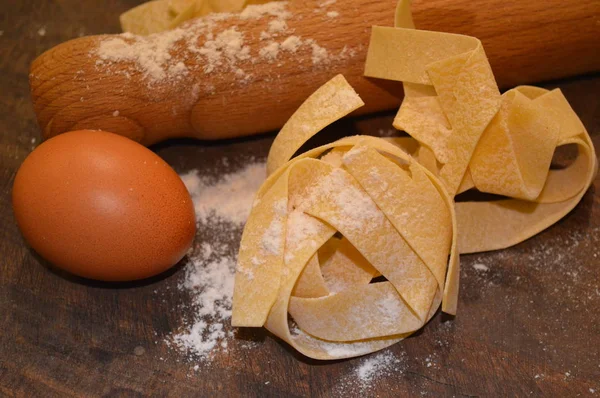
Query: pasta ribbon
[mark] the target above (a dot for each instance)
(161, 15)
(473, 137)
(355, 240)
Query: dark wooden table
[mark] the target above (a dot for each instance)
(528, 326)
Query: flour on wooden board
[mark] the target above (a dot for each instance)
(229, 199)
(222, 207)
(369, 370)
(555, 260)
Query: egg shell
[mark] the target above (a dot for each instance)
(102, 206)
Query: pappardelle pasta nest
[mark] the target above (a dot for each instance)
(352, 246)
(395, 220)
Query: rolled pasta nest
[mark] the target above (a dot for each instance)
(352, 246)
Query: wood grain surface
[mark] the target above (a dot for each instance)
(528, 326)
(526, 41)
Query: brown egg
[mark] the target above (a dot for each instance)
(103, 207)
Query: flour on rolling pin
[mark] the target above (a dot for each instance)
(179, 82)
(221, 50)
(256, 66)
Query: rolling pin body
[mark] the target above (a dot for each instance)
(73, 88)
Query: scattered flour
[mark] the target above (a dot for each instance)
(271, 239)
(364, 376)
(374, 366)
(226, 46)
(319, 54)
(277, 9)
(291, 44)
(356, 210)
(211, 279)
(300, 228)
(222, 207)
(270, 51)
(42, 31)
(481, 267)
(151, 55)
(556, 261)
(177, 54)
(277, 26)
(230, 198)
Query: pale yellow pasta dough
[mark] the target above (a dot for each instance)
(471, 136)
(157, 16)
(160, 15)
(395, 219)
(342, 266)
(311, 282)
(332, 101)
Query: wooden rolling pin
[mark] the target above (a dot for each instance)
(74, 87)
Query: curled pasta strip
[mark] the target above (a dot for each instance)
(471, 136)
(161, 15)
(355, 240)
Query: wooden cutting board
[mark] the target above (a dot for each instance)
(528, 326)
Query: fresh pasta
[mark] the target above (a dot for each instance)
(352, 246)
(473, 137)
(328, 222)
